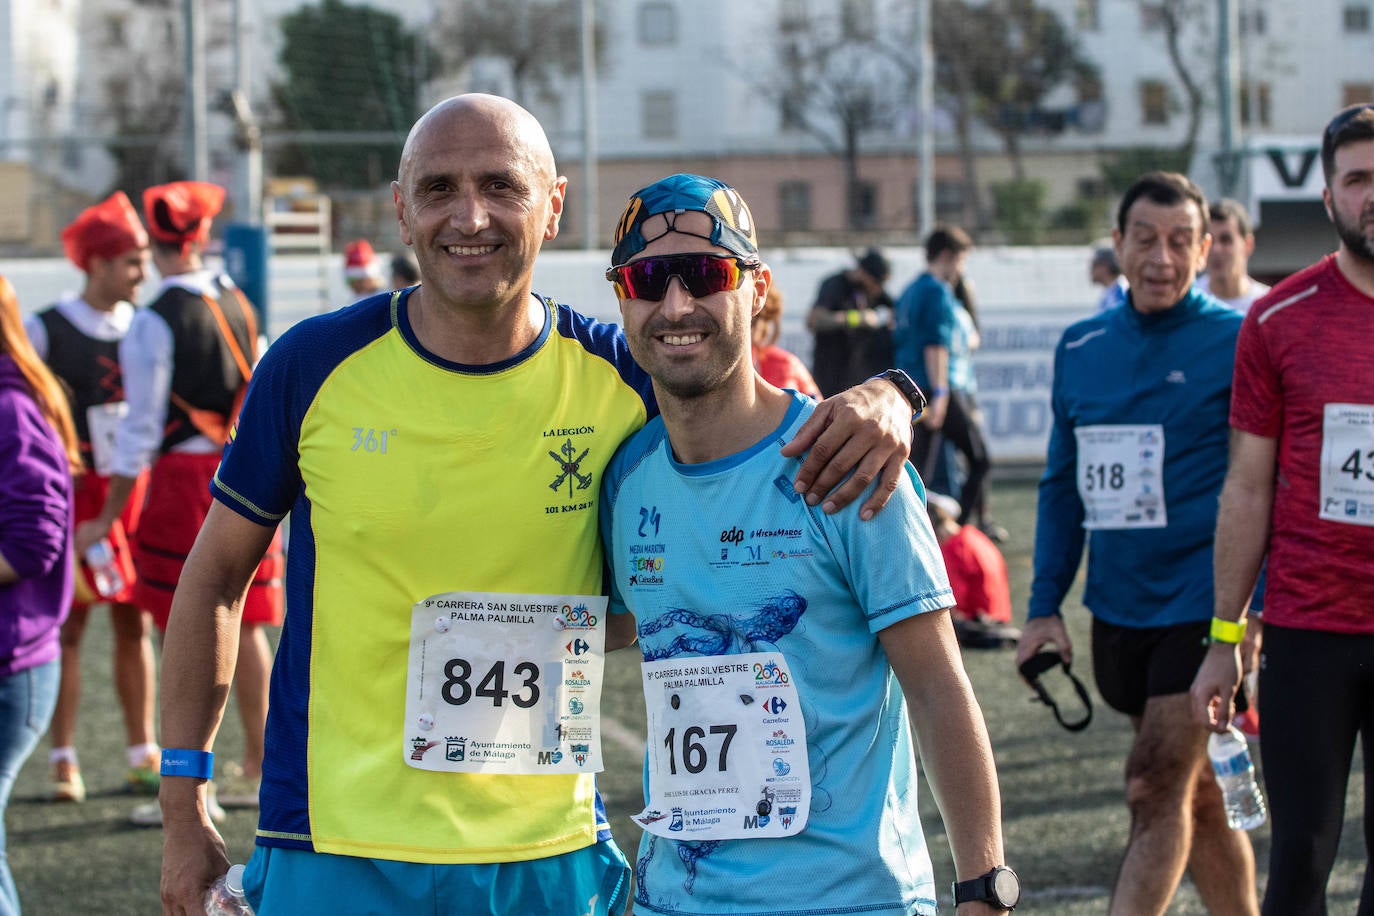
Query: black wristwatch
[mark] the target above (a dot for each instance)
(1000, 887)
(909, 389)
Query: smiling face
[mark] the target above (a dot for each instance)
(116, 279)
(1160, 251)
(1349, 198)
(693, 346)
(476, 197)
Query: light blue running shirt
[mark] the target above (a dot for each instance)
(723, 558)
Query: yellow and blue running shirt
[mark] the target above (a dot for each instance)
(407, 476)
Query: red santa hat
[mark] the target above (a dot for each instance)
(361, 261)
(105, 230)
(181, 212)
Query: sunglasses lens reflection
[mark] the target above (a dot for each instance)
(702, 274)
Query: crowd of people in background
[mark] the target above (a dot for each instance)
(150, 454)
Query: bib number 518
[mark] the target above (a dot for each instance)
(694, 755)
(458, 688)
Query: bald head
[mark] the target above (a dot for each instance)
(514, 128)
(476, 197)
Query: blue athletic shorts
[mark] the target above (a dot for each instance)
(287, 882)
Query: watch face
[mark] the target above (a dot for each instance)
(1005, 887)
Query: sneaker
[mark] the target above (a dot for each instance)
(237, 790)
(149, 814)
(67, 784)
(144, 778)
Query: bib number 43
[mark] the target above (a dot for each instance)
(1358, 470)
(458, 688)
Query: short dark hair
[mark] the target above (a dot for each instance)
(404, 268)
(1165, 188)
(1349, 126)
(1106, 256)
(1227, 208)
(875, 265)
(947, 238)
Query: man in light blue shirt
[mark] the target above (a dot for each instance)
(782, 645)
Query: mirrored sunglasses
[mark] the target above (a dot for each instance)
(702, 274)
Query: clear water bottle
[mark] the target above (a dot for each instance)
(100, 559)
(225, 896)
(1236, 776)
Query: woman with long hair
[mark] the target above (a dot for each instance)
(38, 458)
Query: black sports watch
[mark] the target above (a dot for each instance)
(909, 389)
(1000, 887)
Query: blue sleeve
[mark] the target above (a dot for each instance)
(1059, 514)
(943, 320)
(259, 476)
(893, 561)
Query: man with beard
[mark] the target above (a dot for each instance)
(828, 630)
(1301, 487)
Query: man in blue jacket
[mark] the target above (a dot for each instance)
(1136, 459)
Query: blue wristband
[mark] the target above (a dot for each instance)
(180, 762)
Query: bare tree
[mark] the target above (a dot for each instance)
(835, 80)
(537, 39)
(141, 91)
(1000, 60)
(1194, 67)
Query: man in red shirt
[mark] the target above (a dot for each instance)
(1301, 486)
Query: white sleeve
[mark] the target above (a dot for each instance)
(38, 335)
(145, 361)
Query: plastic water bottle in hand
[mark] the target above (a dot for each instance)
(225, 896)
(100, 558)
(1236, 776)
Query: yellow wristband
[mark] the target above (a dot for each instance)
(853, 317)
(1227, 631)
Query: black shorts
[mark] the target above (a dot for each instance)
(1133, 664)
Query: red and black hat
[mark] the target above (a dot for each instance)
(181, 212)
(105, 230)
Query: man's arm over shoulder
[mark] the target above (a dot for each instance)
(865, 430)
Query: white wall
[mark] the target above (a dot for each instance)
(1025, 296)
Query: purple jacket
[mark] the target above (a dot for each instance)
(35, 527)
